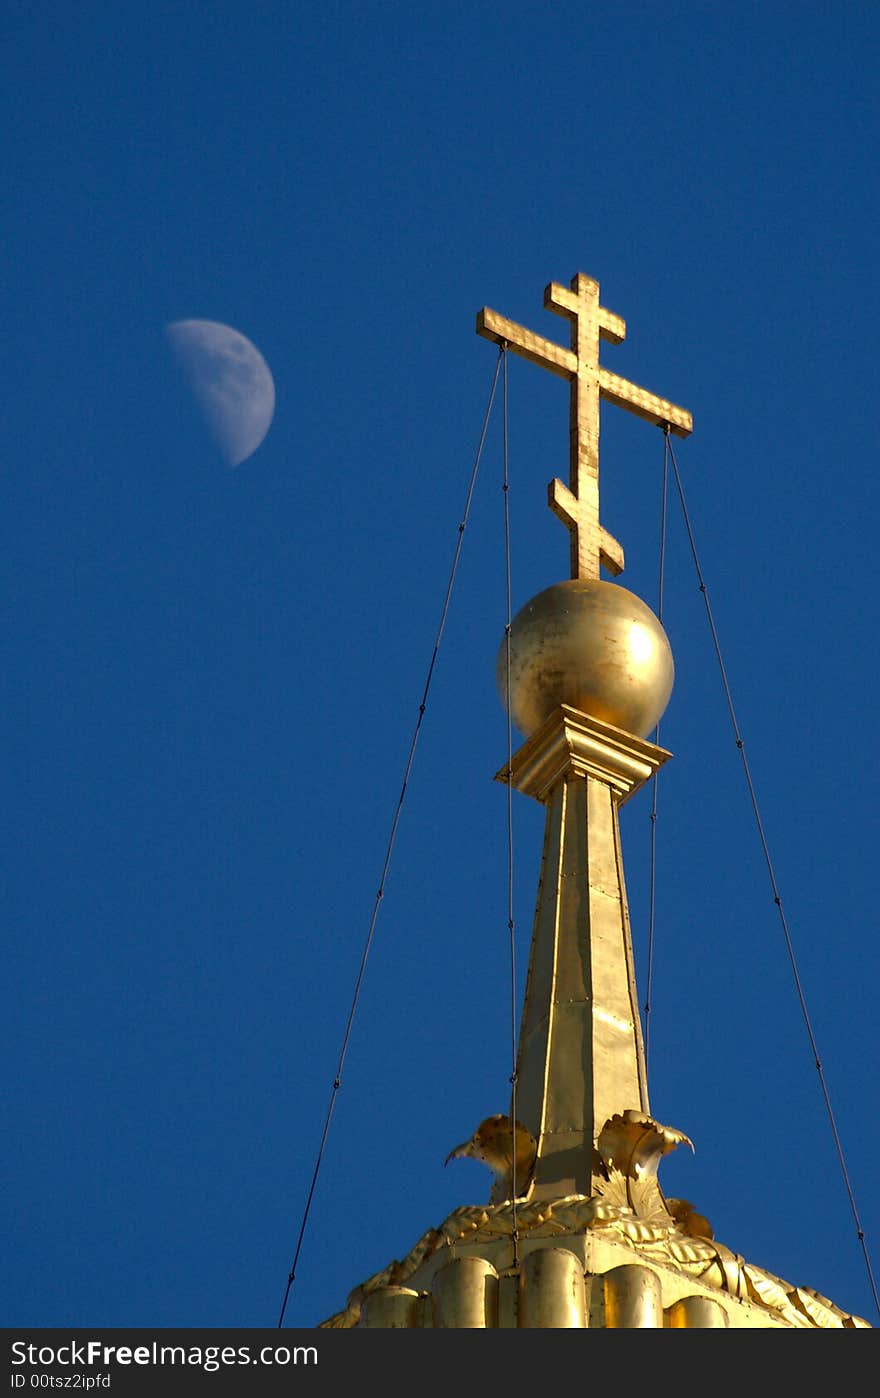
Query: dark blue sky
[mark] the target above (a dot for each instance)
(211, 676)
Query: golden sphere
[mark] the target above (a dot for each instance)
(592, 645)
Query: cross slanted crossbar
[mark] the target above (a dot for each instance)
(577, 504)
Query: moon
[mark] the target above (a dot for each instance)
(230, 381)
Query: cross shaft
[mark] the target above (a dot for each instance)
(577, 504)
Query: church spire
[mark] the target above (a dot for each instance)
(587, 672)
(590, 673)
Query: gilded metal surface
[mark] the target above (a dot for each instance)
(580, 1053)
(552, 1295)
(696, 1313)
(581, 1059)
(632, 1144)
(492, 1145)
(592, 645)
(685, 1261)
(633, 1298)
(465, 1294)
(577, 504)
(392, 1308)
(569, 744)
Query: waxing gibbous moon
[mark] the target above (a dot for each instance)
(230, 381)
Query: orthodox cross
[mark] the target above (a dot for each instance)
(577, 504)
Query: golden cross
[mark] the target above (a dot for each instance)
(577, 504)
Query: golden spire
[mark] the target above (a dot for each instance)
(587, 672)
(577, 504)
(590, 673)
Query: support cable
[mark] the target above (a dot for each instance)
(777, 899)
(664, 498)
(337, 1081)
(511, 924)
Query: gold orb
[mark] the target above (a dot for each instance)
(592, 645)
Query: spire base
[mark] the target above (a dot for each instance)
(581, 1058)
(572, 744)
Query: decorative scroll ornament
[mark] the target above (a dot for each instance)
(631, 1146)
(491, 1144)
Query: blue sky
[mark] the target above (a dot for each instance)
(211, 676)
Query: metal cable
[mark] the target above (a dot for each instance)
(777, 899)
(511, 923)
(337, 1081)
(653, 875)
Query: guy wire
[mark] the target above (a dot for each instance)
(337, 1081)
(511, 925)
(777, 899)
(664, 494)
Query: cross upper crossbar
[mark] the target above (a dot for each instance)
(577, 504)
